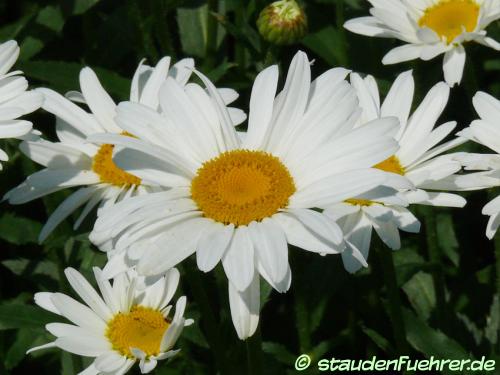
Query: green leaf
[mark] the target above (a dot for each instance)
(12, 30)
(82, 6)
(51, 17)
(31, 267)
(472, 328)
(421, 293)
(378, 339)
(17, 350)
(15, 316)
(193, 30)
(325, 43)
(493, 322)
(447, 239)
(63, 76)
(432, 342)
(279, 352)
(18, 230)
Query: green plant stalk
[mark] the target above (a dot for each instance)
(254, 353)
(434, 254)
(340, 20)
(389, 272)
(496, 240)
(211, 46)
(208, 321)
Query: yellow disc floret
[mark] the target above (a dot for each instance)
(142, 328)
(359, 202)
(107, 170)
(242, 186)
(391, 164)
(449, 18)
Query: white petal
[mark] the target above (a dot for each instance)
(453, 65)
(78, 313)
(238, 261)
(87, 293)
(212, 245)
(272, 250)
(299, 235)
(44, 300)
(109, 362)
(245, 308)
(98, 100)
(87, 346)
(261, 107)
(66, 208)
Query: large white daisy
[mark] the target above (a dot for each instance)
(240, 200)
(419, 159)
(430, 28)
(128, 322)
(73, 161)
(15, 99)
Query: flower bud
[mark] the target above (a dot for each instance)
(282, 22)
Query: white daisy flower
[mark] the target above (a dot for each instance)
(430, 28)
(383, 209)
(485, 131)
(15, 99)
(236, 200)
(73, 161)
(419, 159)
(128, 322)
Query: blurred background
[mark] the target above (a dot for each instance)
(450, 301)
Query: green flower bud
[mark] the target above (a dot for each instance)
(282, 22)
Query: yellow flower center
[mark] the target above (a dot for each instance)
(359, 202)
(142, 328)
(391, 164)
(449, 18)
(242, 186)
(107, 170)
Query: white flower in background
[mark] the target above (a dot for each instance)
(15, 99)
(419, 159)
(383, 209)
(73, 161)
(128, 322)
(430, 28)
(240, 201)
(485, 131)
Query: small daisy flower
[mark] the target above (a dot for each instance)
(430, 28)
(74, 162)
(15, 99)
(240, 200)
(383, 209)
(485, 131)
(419, 159)
(128, 322)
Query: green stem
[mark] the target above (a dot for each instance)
(339, 20)
(434, 254)
(211, 46)
(208, 322)
(254, 353)
(395, 312)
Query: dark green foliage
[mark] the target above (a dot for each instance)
(327, 312)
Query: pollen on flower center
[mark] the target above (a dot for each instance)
(142, 328)
(107, 170)
(449, 18)
(242, 186)
(391, 164)
(359, 202)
